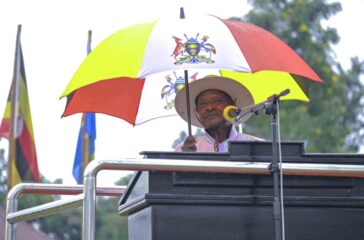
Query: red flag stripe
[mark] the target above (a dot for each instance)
(29, 152)
(5, 128)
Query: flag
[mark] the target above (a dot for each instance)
(85, 150)
(17, 127)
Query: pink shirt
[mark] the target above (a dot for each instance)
(205, 143)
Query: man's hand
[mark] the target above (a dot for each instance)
(189, 145)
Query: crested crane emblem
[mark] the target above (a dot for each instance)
(193, 50)
(170, 90)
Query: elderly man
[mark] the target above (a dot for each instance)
(211, 96)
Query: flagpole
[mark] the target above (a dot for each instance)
(85, 134)
(14, 111)
(85, 155)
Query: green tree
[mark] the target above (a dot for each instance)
(333, 120)
(3, 177)
(109, 225)
(124, 181)
(63, 226)
(68, 224)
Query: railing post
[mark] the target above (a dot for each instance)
(89, 207)
(11, 206)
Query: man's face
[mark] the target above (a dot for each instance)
(210, 106)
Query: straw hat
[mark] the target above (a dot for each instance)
(234, 89)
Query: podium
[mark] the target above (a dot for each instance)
(216, 206)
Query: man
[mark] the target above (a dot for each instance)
(211, 96)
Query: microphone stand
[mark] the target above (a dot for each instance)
(270, 106)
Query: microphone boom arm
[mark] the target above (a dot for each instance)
(241, 115)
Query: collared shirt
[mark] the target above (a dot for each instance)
(206, 143)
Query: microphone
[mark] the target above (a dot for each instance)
(231, 112)
(236, 115)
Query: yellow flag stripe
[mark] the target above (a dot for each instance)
(7, 113)
(24, 105)
(15, 177)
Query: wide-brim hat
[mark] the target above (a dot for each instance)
(233, 88)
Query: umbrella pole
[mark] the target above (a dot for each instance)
(182, 16)
(188, 105)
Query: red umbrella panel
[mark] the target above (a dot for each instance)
(134, 100)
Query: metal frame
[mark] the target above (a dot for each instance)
(139, 164)
(13, 215)
(89, 205)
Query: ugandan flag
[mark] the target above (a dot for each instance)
(24, 164)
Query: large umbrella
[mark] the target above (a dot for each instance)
(114, 77)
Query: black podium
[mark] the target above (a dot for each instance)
(198, 206)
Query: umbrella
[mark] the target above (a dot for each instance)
(115, 75)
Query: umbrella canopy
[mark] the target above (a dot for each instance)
(113, 77)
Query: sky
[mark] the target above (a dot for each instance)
(54, 39)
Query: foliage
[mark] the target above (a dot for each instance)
(333, 120)
(124, 180)
(109, 225)
(3, 173)
(68, 224)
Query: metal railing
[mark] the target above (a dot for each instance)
(138, 164)
(13, 215)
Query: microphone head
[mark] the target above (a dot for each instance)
(228, 113)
